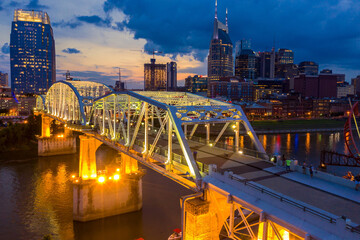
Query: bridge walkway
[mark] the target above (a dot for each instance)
(257, 170)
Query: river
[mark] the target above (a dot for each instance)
(36, 194)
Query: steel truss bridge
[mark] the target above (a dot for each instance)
(161, 130)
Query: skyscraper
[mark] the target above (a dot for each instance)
(309, 68)
(220, 59)
(284, 64)
(154, 76)
(32, 52)
(171, 75)
(246, 62)
(285, 56)
(267, 64)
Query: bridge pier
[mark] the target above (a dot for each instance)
(113, 191)
(54, 145)
(199, 221)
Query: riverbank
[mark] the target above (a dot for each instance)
(19, 153)
(285, 126)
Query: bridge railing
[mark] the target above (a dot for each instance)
(293, 203)
(284, 199)
(176, 157)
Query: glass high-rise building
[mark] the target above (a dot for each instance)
(246, 62)
(220, 59)
(154, 76)
(32, 53)
(171, 75)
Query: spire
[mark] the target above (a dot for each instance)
(226, 17)
(215, 9)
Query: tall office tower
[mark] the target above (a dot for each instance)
(284, 56)
(154, 76)
(284, 64)
(267, 64)
(245, 64)
(4, 80)
(356, 83)
(32, 52)
(220, 59)
(308, 68)
(171, 75)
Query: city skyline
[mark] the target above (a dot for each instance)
(93, 41)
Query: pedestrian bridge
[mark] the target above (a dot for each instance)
(163, 130)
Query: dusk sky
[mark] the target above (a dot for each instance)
(94, 37)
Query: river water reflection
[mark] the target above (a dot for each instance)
(36, 200)
(36, 194)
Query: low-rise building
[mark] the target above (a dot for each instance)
(233, 90)
(344, 90)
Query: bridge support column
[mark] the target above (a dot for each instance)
(54, 145)
(200, 222)
(112, 193)
(45, 126)
(87, 157)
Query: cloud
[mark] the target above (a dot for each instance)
(168, 26)
(63, 24)
(5, 48)
(34, 4)
(96, 20)
(71, 51)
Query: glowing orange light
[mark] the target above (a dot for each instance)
(101, 179)
(73, 176)
(116, 177)
(85, 177)
(118, 169)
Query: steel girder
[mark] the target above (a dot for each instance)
(72, 100)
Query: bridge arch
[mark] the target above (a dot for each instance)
(72, 100)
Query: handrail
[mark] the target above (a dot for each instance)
(286, 200)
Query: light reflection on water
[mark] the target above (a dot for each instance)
(305, 147)
(36, 200)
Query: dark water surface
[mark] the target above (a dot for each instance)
(36, 194)
(36, 200)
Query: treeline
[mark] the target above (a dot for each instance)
(19, 135)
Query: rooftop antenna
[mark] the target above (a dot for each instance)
(226, 17)
(215, 9)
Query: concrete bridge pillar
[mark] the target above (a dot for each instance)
(45, 126)
(200, 222)
(87, 157)
(100, 194)
(49, 145)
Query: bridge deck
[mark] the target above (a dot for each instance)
(342, 201)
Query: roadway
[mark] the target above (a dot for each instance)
(338, 202)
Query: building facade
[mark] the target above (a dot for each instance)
(308, 68)
(196, 84)
(220, 58)
(246, 65)
(154, 76)
(344, 90)
(316, 86)
(232, 90)
(32, 53)
(267, 64)
(171, 75)
(356, 83)
(4, 80)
